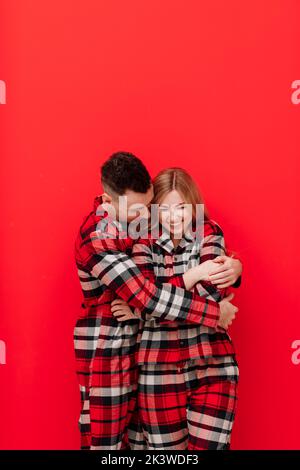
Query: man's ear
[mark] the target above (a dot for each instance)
(106, 198)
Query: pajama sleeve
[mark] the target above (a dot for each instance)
(143, 258)
(213, 245)
(106, 259)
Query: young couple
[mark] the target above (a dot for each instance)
(155, 363)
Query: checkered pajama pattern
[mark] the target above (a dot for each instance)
(109, 419)
(172, 341)
(190, 405)
(105, 350)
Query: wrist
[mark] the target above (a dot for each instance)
(199, 274)
(190, 278)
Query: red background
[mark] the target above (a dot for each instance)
(202, 85)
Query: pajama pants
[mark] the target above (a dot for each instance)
(188, 405)
(109, 419)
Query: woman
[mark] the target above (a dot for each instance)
(188, 375)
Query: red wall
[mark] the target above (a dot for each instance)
(202, 85)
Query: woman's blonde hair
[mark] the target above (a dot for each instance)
(178, 179)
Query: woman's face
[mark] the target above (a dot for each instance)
(175, 214)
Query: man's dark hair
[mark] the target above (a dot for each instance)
(123, 171)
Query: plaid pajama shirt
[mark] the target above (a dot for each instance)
(172, 341)
(188, 373)
(106, 350)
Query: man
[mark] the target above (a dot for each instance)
(106, 349)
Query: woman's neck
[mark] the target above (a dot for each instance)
(175, 241)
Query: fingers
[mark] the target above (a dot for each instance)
(121, 312)
(122, 318)
(118, 302)
(223, 286)
(218, 269)
(221, 272)
(115, 308)
(223, 280)
(220, 259)
(118, 313)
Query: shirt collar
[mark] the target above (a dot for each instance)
(106, 223)
(164, 241)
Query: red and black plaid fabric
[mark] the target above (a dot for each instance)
(190, 405)
(109, 419)
(172, 341)
(105, 349)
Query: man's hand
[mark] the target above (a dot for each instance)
(203, 270)
(227, 312)
(227, 273)
(121, 310)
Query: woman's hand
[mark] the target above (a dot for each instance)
(227, 273)
(204, 270)
(197, 273)
(121, 310)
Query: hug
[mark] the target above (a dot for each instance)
(156, 366)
